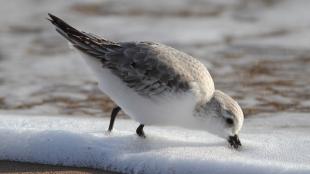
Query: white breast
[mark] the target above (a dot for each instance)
(161, 110)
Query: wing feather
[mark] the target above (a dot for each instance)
(148, 68)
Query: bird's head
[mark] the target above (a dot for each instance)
(224, 117)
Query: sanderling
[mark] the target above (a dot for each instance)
(155, 84)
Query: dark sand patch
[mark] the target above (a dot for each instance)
(29, 168)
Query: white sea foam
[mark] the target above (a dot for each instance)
(270, 145)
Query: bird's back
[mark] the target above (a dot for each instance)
(148, 68)
(176, 70)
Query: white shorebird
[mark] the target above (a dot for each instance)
(157, 85)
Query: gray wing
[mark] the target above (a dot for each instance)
(148, 68)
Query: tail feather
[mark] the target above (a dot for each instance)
(86, 42)
(63, 28)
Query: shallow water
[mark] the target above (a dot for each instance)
(255, 50)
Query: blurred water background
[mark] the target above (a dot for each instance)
(258, 51)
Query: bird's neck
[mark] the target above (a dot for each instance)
(204, 116)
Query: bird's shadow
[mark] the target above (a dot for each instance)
(134, 143)
(111, 142)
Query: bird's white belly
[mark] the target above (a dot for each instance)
(160, 110)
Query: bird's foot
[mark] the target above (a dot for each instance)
(107, 132)
(140, 131)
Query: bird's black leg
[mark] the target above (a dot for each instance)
(113, 116)
(140, 131)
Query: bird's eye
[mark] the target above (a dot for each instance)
(229, 121)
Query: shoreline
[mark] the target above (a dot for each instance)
(29, 168)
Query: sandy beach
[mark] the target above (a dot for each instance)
(19, 167)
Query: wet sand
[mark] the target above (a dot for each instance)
(29, 168)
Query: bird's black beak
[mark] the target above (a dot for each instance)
(234, 141)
